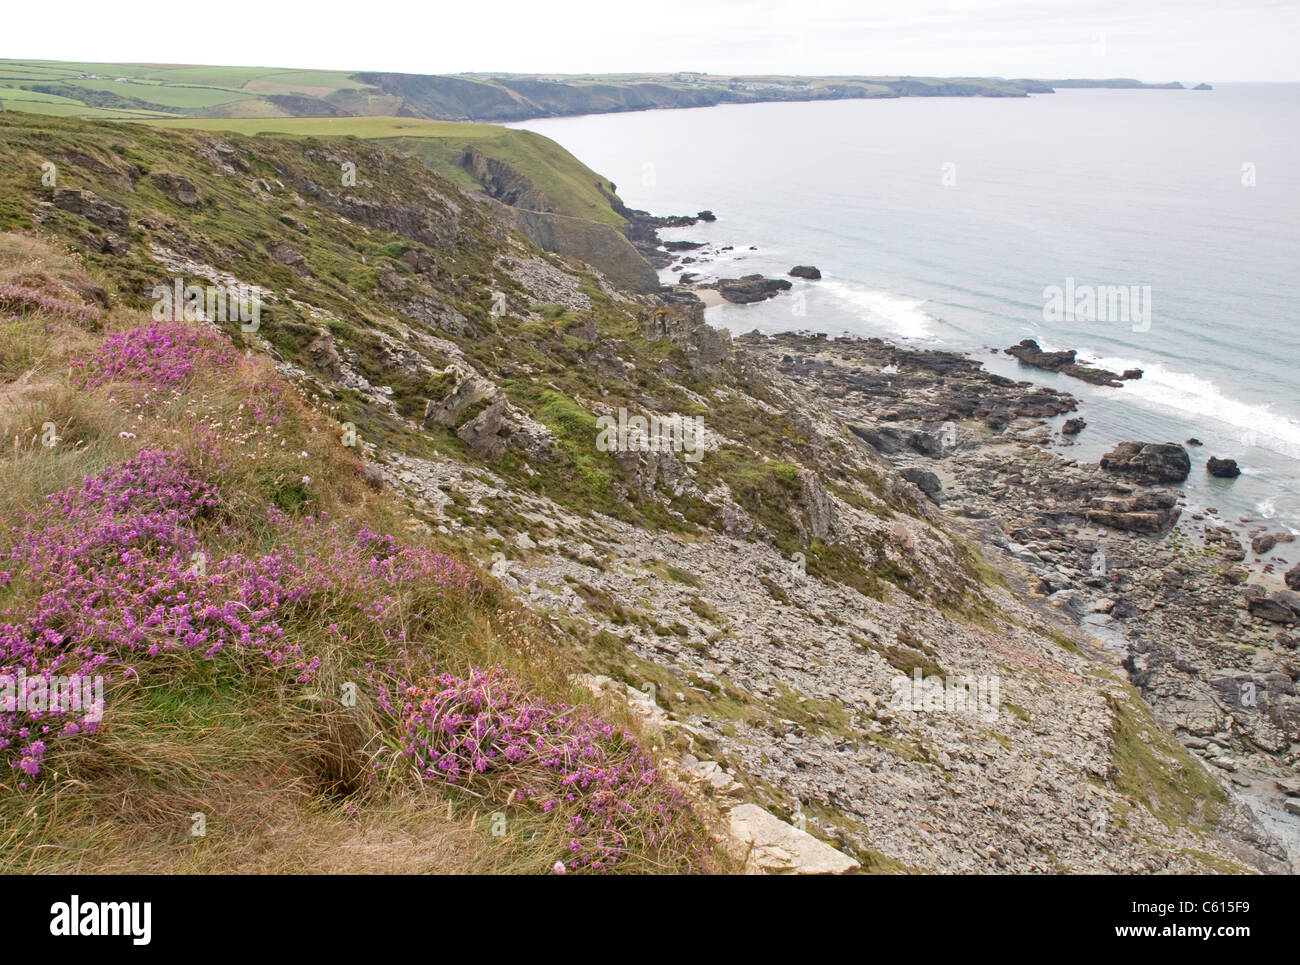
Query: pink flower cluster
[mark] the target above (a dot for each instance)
(115, 571)
(20, 298)
(486, 729)
(159, 354)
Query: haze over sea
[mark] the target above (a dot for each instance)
(939, 222)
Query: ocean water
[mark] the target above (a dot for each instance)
(945, 222)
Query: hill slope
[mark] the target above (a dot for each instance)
(753, 591)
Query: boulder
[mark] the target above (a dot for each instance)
(805, 271)
(1073, 427)
(1280, 607)
(1266, 541)
(769, 845)
(1149, 463)
(1262, 543)
(1292, 577)
(1223, 468)
(290, 256)
(482, 433)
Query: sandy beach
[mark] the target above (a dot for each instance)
(710, 296)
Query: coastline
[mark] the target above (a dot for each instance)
(1244, 523)
(1183, 612)
(1171, 610)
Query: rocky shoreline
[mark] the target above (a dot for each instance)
(1188, 603)
(1211, 648)
(772, 682)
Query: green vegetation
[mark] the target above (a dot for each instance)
(563, 183)
(1154, 770)
(289, 771)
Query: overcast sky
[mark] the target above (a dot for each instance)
(1153, 40)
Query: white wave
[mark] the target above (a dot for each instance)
(899, 314)
(1253, 425)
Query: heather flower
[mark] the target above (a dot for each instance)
(157, 354)
(486, 731)
(20, 298)
(107, 577)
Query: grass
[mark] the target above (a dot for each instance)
(1154, 770)
(279, 770)
(565, 181)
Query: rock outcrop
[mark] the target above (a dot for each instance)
(1149, 512)
(925, 481)
(751, 288)
(93, 208)
(504, 183)
(173, 186)
(1149, 463)
(486, 420)
(1064, 362)
(681, 321)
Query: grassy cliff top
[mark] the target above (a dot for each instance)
(569, 185)
(146, 90)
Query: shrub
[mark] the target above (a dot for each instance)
(159, 354)
(486, 733)
(21, 299)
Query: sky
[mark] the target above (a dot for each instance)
(1152, 40)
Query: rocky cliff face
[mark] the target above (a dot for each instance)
(504, 183)
(727, 527)
(598, 245)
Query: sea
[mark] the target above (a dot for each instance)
(1170, 219)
